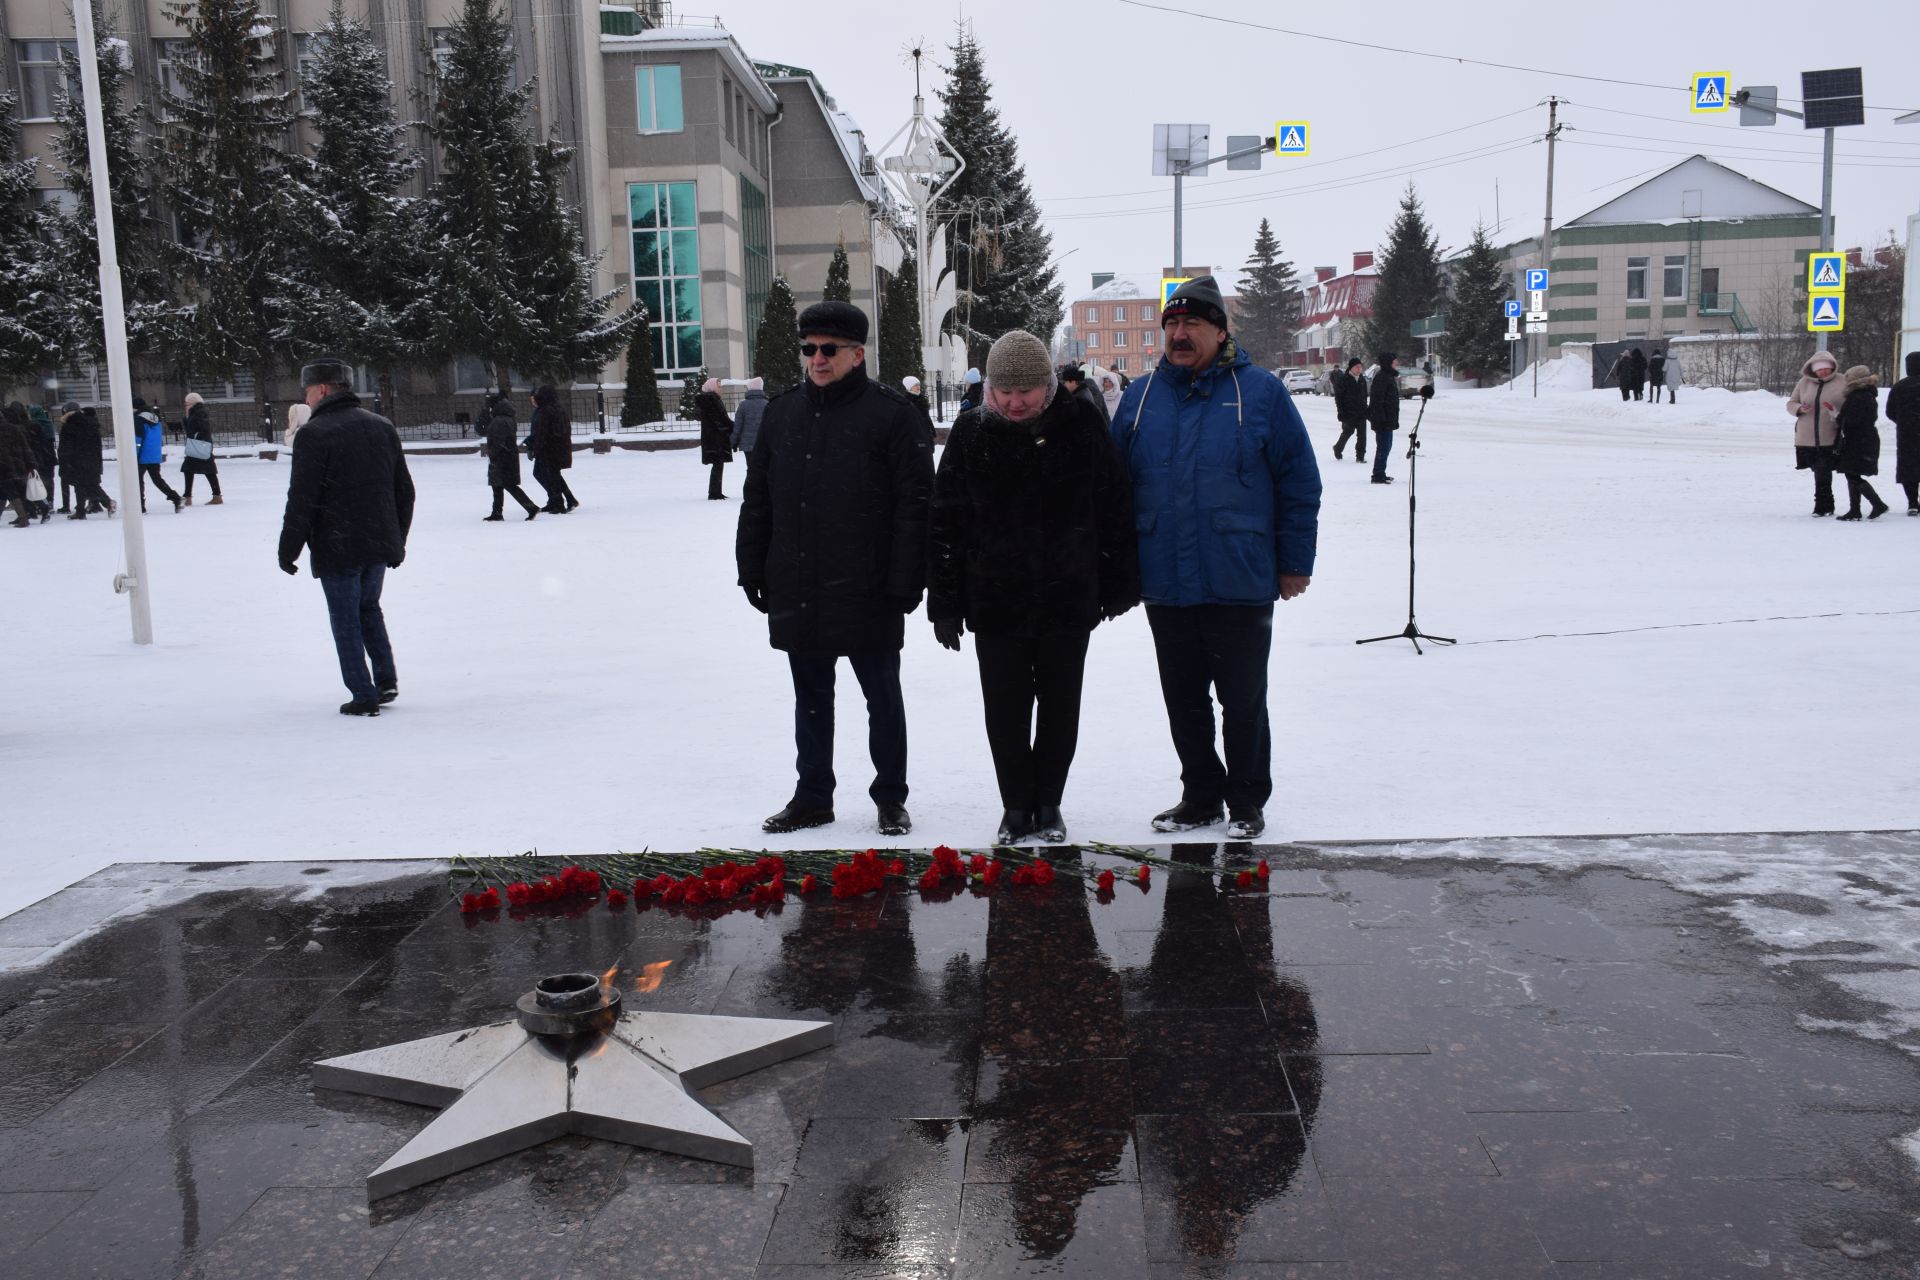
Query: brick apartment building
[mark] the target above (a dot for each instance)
(1326, 307)
(1118, 324)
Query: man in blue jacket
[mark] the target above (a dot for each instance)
(150, 435)
(1226, 500)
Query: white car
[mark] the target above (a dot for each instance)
(1298, 381)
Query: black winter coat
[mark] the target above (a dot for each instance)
(1095, 401)
(1858, 453)
(716, 429)
(350, 498)
(1349, 396)
(1032, 531)
(1637, 370)
(16, 451)
(833, 518)
(503, 448)
(81, 448)
(199, 427)
(1656, 370)
(1383, 400)
(1903, 410)
(552, 437)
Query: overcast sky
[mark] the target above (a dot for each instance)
(1082, 82)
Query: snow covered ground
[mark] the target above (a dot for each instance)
(1654, 638)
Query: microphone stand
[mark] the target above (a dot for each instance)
(1412, 631)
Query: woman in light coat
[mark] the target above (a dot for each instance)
(1815, 406)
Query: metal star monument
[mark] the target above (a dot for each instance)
(571, 1062)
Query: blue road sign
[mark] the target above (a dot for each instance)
(1826, 272)
(1536, 279)
(1826, 312)
(1710, 91)
(1513, 309)
(1291, 138)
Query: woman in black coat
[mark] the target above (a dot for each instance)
(200, 427)
(1032, 545)
(551, 447)
(1903, 410)
(1857, 455)
(503, 457)
(81, 460)
(1637, 372)
(716, 435)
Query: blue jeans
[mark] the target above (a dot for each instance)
(1382, 446)
(360, 630)
(879, 676)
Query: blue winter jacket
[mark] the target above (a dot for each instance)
(1226, 494)
(152, 436)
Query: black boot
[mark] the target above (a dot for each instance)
(797, 816)
(1048, 825)
(1187, 816)
(894, 819)
(1248, 823)
(1015, 825)
(360, 708)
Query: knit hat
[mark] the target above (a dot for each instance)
(193, 398)
(711, 384)
(912, 385)
(73, 406)
(1351, 363)
(139, 405)
(1860, 376)
(834, 319)
(1018, 361)
(1384, 358)
(972, 376)
(1200, 297)
(756, 384)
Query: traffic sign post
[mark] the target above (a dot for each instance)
(1826, 272)
(1826, 312)
(1710, 90)
(1168, 285)
(1292, 138)
(1513, 309)
(1536, 279)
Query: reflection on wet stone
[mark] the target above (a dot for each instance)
(1377, 1068)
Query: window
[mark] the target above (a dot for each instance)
(756, 242)
(666, 269)
(1146, 311)
(440, 44)
(1093, 342)
(86, 383)
(238, 387)
(1149, 339)
(56, 200)
(1120, 338)
(1636, 279)
(1093, 315)
(1709, 289)
(1119, 364)
(657, 98)
(1673, 279)
(729, 100)
(471, 373)
(40, 76)
(303, 71)
(172, 55)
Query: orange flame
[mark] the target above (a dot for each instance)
(650, 976)
(613, 971)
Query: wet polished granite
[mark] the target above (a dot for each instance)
(1378, 1068)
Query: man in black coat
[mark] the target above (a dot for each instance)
(1903, 410)
(82, 461)
(349, 503)
(1350, 407)
(1383, 412)
(1074, 379)
(832, 547)
(503, 458)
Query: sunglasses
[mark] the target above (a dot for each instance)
(827, 349)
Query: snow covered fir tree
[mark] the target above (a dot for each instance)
(1475, 343)
(1409, 287)
(29, 315)
(776, 356)
(1269, 308)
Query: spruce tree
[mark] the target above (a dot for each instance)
(223, 168)
(1269, 304)
(351, 288)
(570, 331)
(29, 319)
(690, 393)
(900, 327)
(1474, 343)
(1409, 287)
(76, 246)
(776, 349)
(641, 403)
(839, 276)
(1003, 279)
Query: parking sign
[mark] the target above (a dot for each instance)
(1536, 279)
(1513, 308)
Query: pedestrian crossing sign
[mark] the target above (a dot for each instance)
(1826, 272)
(1710, 90)
(1168, 285)
(1291, 138)
(1826, 313)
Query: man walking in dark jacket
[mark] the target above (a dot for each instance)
(832, 547)
(1350, 406)
(81, 460)
(350, 504)
(1383, 412)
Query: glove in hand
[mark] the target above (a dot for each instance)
(756, 596)
(948, 634)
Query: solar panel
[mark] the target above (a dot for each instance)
(1834, 99)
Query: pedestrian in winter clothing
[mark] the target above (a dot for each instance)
(911, 385)
(716, 435)
(1226, 501)
(46, 446)
(200, 427)
(1857, 452)
(1637, 373)
(1621, 374)
(1675, 376)
(1110, 391)
(1815, 406)
(1350, 407)
(970, 390)
(747, 416)
(1073, 379)
(17, 463)
(1383, 412)
(1903, 410)
(503, 457)
(350, 504)
(297, 415)
(82, 461)
(832, 547)
(149, 432)
(1656, 376)
(551, 447)
(1033, 544)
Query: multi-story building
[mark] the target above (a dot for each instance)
(1117, 325)
(699, 174)
(1328, 307)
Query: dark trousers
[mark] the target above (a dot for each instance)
(1382, 446)
(1357, 428)
(713, 479)
(879, 676)
(213, 482)
(159, 481)
(1031, 755)
(89, 496)
(554, 481)
(500, 492)
(360, 630)
(1913, 494)
(1219, 650)
(1823, 491)
(1626, 392)
(1858, 488)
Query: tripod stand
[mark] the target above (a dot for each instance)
(1412, 632)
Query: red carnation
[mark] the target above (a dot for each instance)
(1105, 882)
(616, 900)
(1142, 875)
(1043, 873)
(519, 893)
(808, 884)
(1263, 870)
(1244, 880)
(991, 875)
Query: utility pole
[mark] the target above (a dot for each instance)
(1185, 167)
(1546, 232)
(1179, 177)
(1826, 192)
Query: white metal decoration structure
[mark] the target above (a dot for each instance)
(922, 170)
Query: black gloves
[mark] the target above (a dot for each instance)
(289, 568)
(1111, 611)
(397, 561)
(948, 634)
(756, 595)
(907, 604)
(1426, 392)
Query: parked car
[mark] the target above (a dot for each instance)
(1411, 380)
(1299, 381)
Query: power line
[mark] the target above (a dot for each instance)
(1840, 141)
(1771, 159)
